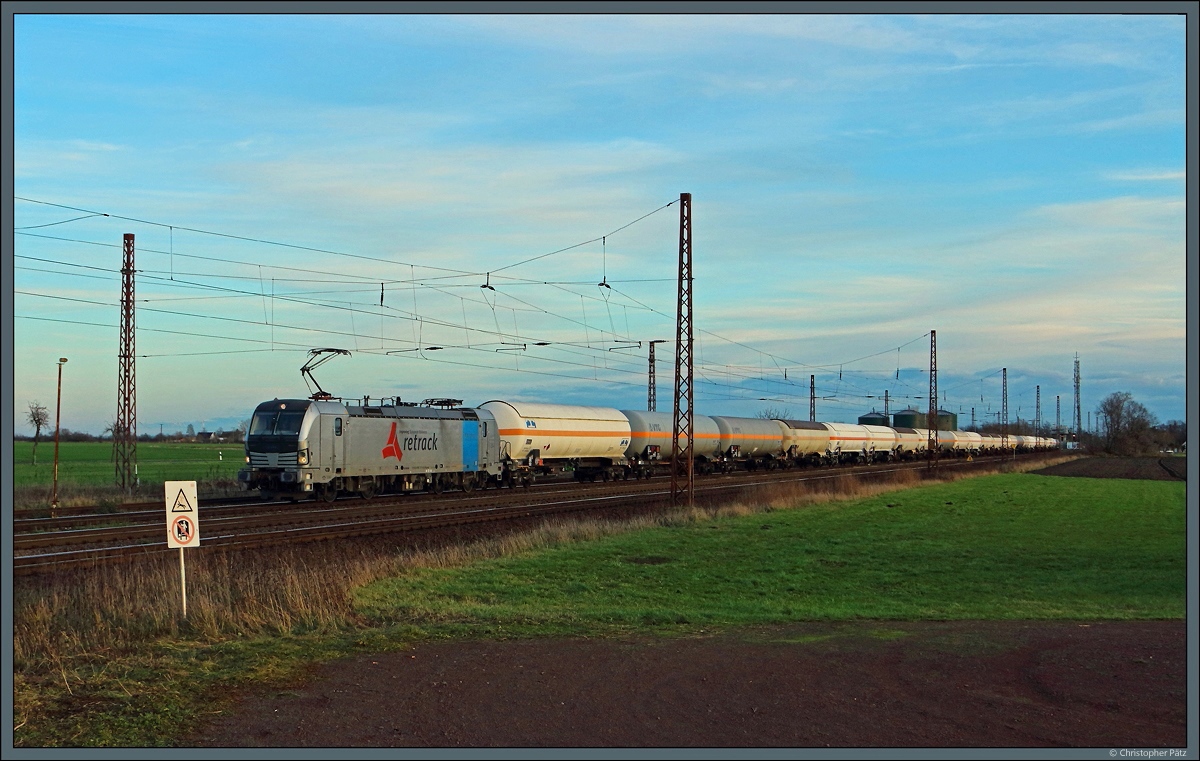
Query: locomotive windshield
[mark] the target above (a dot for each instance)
(276, 423)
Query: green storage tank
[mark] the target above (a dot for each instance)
(947, 421)
(873, 418)
(909, 418)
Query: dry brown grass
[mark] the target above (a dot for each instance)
(37, 496)
(309, 588)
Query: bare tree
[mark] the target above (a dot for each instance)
(1128, 425)
(38, 417)
(774, 413)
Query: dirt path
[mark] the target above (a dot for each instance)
(883, 684)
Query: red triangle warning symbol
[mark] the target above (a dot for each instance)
(181, 504)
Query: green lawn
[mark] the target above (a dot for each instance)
(90, 463)
(999, 547)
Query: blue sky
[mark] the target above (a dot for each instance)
(1015, 183)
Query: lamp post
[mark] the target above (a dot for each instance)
(57, 417)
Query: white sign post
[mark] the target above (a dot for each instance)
(183, 524)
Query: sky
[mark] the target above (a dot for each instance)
(506, 187)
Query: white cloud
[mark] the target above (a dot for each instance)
(1147, 175)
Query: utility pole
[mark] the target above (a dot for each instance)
(1058, 417)
(812, 398)
(57, 418)
(972, 418)
(652, 385)
(886, 414)
(125, 429)
(932, 452)
(681, 459)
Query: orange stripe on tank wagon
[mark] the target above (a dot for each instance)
(765, 437)
(531, 432)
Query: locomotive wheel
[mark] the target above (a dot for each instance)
(437, 485)
(367, 490)
(468, 484)
(329, 492)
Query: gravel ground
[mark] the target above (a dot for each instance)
(861, 684)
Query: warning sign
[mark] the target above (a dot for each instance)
(183, 514)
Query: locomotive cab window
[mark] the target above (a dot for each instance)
(337, 426)
(276, 423)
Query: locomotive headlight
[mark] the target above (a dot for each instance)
(247, 459)
(302, 457)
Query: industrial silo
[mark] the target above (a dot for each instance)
(909, 418)
(873, 418)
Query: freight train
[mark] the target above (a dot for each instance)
(325, 448)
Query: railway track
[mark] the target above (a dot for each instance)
(46, 545)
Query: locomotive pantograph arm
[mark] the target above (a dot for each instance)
(318, 357)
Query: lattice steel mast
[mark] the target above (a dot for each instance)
(932, 452)
(1004, 409)
(1058, 417)
(125, 428)
(1037, 414)
(812, 398)
(1078, 416)
(683, 477)
(652, 383)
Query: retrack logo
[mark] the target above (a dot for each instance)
(392, 448)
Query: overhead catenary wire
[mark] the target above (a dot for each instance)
(442, 284)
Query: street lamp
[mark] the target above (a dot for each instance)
(57, 417)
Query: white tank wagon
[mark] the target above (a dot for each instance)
(296, 447)
(885, 443)
(849, 442)
(969, 443)
(650, 441)
(910, 442)
(805, 441)
(948, 442)
(751, 440)
(537, 438)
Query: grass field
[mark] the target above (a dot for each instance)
(1001, 547)
(89, 463)
(109, 663)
